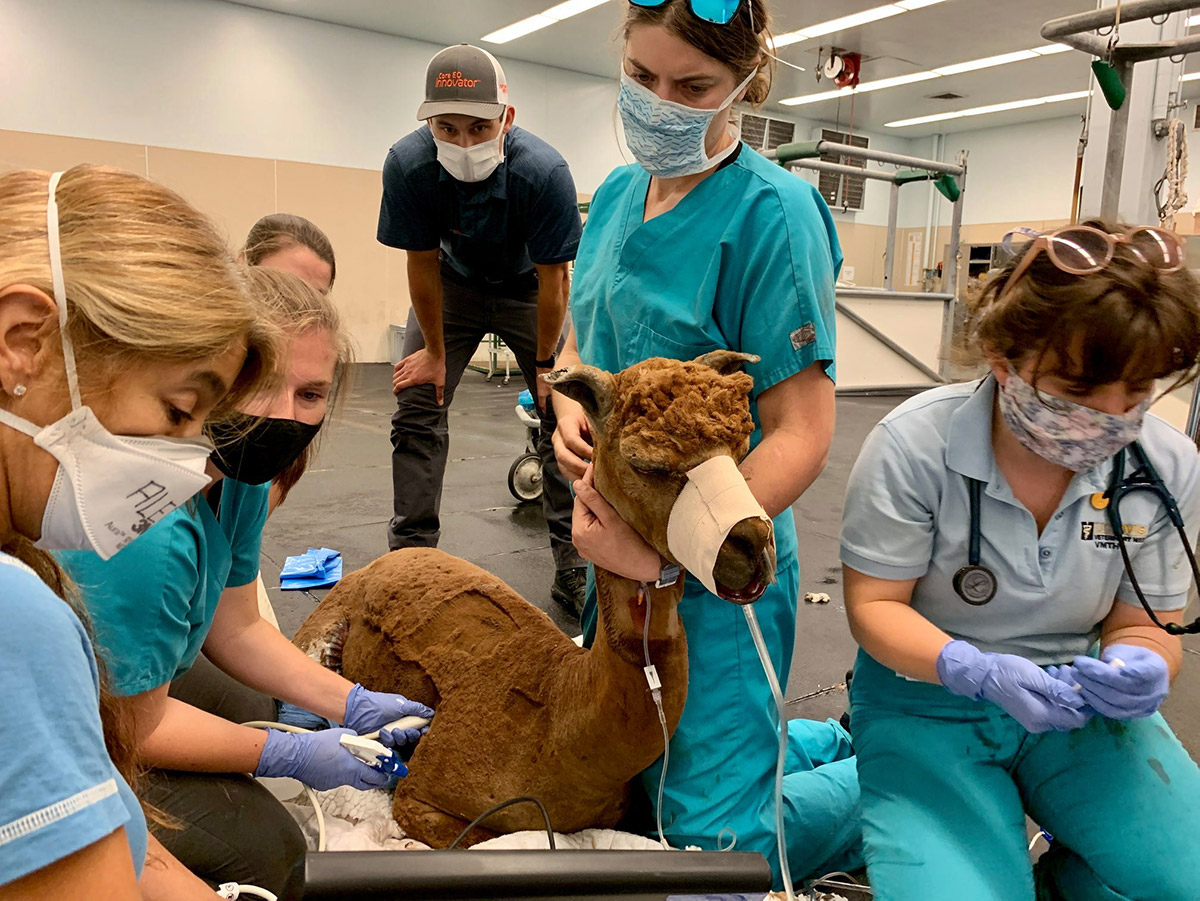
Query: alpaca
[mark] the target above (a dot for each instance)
(521, 710)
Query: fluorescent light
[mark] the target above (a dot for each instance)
(985, 110)
(844, 23)
(864, 88)
(986, 63)
(896, 81)
(953, 69)
(518, 29)
(543, 19)
(1193, 21)
(572, 8)
(1191, 76)
(1002, 107)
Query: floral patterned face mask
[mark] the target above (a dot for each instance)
(1067, 434)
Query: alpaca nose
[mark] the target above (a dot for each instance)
(745, 564)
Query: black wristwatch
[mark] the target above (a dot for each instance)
(547, 363)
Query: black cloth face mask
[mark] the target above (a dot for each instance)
(253, 449)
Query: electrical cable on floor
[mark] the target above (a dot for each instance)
(312, 795)
(764, 657)
(499, 807)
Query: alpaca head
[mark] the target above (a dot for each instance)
(653, 422)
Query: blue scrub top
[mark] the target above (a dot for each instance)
(59, 791)
(746, 261)
(153, 603)
(907, 516)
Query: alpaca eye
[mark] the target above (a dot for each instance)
(647, 466)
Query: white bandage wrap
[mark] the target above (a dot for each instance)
(714, 500)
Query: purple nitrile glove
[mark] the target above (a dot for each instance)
(317, 759)
(1020, 687)
(367, 711)
(402, 741)
(1127, 682)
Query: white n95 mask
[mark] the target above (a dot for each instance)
(471, 164)
(669, 139)
(109, 488)
(714, 500)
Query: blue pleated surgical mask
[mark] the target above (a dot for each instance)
(668, 138)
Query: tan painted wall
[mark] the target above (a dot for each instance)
(372, 285)
(371, 289)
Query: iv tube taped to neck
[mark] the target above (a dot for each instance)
(714, 500)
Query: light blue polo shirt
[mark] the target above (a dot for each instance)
(907, 516)
(59, 791)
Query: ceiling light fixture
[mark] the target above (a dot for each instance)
(854, 20)
(973, 65)
(1193, 21)
(986, 110)
(542, 20)
(1191, 76)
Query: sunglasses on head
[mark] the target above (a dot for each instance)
(1083, 250)
(719, 12)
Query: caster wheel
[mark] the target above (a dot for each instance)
(525, 478)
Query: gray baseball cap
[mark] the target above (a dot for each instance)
(465, 81)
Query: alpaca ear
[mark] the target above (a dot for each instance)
(726, 362)
(586, 385)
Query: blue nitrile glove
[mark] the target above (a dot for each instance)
(402, 741)
(316, 759)
(1020, 687)
(1131, 688)
(367, 711)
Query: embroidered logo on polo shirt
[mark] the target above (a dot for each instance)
(803, 336)
(1101, 534)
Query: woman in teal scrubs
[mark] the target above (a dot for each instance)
(190, 585)
(705, 245)
(970, 712)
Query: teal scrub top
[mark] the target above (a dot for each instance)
(746, 261)
(907, 516)
(153, 603)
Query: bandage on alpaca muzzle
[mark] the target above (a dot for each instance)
(720, 533)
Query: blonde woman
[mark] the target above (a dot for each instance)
(192, 585)
(123, 327)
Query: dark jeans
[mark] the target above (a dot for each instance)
(232, 829)
(421, 436)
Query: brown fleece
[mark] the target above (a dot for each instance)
(520, 709)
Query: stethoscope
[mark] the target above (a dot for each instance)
(976, 584)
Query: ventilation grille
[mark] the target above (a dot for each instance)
(762, 133)
(844, 192)
(948, 95)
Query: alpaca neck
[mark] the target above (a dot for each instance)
(617, 660)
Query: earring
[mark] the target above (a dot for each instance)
(19, 391)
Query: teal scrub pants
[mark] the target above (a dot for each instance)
(946, 783)
(721, 775)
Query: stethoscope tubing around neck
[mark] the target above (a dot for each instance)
(1144, 478)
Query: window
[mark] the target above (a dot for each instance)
(762, 133)
(843, 192)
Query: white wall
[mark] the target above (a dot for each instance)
(1019, 172)
(212, 76)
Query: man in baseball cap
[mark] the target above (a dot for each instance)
(488, 216)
